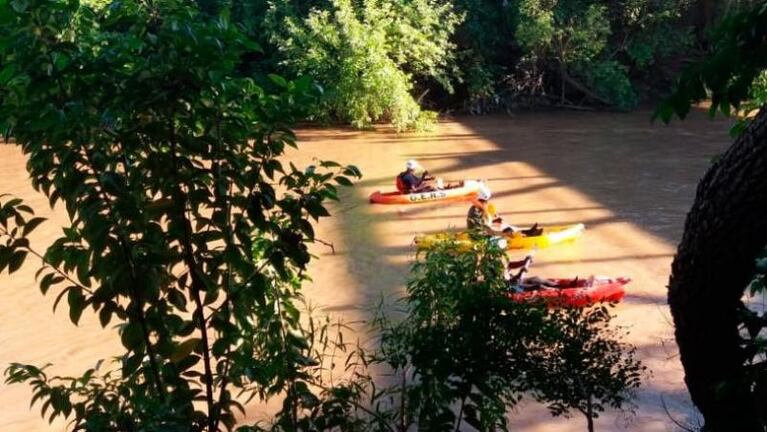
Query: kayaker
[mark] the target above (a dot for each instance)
(409, 182)
(519, 283)
(483, 217)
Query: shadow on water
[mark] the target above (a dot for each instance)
(633, 171)
(618, 173)
(645, 173)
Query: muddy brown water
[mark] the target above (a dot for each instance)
(631, 182)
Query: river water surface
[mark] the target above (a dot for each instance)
(629, 181)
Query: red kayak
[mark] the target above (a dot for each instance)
(577, 292)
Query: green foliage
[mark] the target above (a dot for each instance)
(464, 339)
(586, 368)
(367, 54)
(465, 354)
(136, 118)
(469, 345)
(753, 342)
(757, 98)
(593, 40)
(383, 60)
(570, 32)
(728, 74)
(610, 81)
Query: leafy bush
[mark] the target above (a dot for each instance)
(135, 118)
(586, 368)
(465, 354)
(727, 74)
(610, 80)
(469, 345)
(593, 39)
(368, 55)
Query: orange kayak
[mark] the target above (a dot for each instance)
(577, 292)
(466, 191)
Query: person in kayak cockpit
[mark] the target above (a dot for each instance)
(409, 182)
(483, 217)
(519, 283)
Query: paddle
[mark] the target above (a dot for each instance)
(526, 266)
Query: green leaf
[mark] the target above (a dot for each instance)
(20, 6)
(16, 261)
(280, 81)
(183, 350)
(343, 181)
(32, 224)
(6, 73)
(132, 337)
(77, 304)
(131, 363)
(48, 281)
(177, 299)
(105, 315)
(83, 269)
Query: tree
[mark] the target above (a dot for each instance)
(594, 46)
(724, 230)
(466, 344)
(185, 229)
(369, 54)
(584, 366)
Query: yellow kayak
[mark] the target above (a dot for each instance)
(550, 236)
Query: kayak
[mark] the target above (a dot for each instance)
(549, 236)
(577, 292)
(466, 191)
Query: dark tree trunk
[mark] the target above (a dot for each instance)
(724, 231)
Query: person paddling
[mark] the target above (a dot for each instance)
(409, 182)
(483, 217)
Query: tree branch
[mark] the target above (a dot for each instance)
(198, 285)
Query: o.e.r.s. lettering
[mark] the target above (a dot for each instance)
(427, 196)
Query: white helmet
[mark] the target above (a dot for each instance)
(484, 193)
(412, 164)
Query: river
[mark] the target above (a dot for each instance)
(629, 181)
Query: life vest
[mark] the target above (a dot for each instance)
(489, 213)
(400, 184)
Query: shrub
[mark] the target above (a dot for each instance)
(595, 46)
(464, 354)
(585, 367)
(165, 157)
(368, 55)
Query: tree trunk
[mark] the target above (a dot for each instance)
(590, 416)
(724, 231)
(566, 78)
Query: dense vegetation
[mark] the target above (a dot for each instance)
(187, 232)
(387, 60)
(184, 229)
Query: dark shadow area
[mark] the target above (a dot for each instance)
(621, 258)
(645, 173)
(506, 213)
